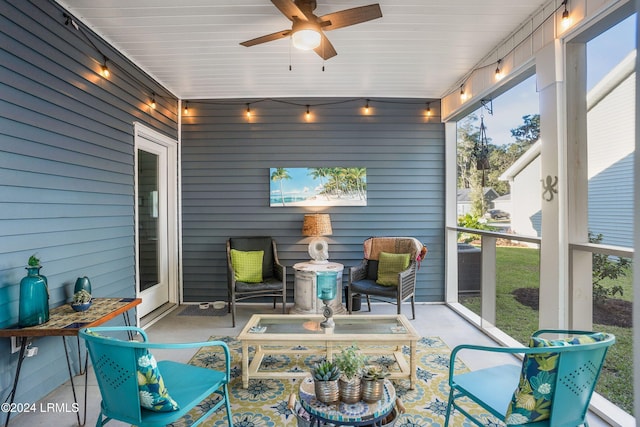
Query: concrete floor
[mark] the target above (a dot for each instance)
(431, 320)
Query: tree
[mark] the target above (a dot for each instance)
(605, 267)
(528, 133)
(280, 174)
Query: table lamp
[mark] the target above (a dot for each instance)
(317, 225)
(326, 284)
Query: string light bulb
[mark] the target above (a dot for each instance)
(566, 17)
(499, 74)
(104, 70)
(308, 114)
(427, 110)
(186, 108)
(248, 111)
(153, 101)
(463, 94)
(366, 107)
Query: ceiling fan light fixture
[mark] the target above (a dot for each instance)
(306, 36)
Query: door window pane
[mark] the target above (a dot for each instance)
(148, 219)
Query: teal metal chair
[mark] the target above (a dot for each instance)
(578, 368)
(114, 363)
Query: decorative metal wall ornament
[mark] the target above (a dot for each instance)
(550, 187)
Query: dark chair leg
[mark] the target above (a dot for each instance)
(274, 303)
(233, 314)
(413, 307)
(368, 302)
(349, 300)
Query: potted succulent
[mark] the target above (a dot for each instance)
(81, 300)
(373, 383)
(350, 362)
(325, 379)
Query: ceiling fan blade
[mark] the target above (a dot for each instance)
(326, 49)
(269, 37)
(289, 9)
(347, 17)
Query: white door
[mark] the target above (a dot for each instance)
(156, 225)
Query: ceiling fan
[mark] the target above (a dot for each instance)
(307, 31)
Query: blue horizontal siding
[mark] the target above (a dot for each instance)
(66, 171)
(225, 183)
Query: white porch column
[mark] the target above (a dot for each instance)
(451, 216)
(553, 251)
(580, 295)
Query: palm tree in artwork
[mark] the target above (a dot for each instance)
(321, 174)
(356, 178)
(278, 175)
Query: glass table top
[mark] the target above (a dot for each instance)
(344, 325)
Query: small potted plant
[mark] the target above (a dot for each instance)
(325, 379)
(81, 300)
(373, 383)
(350, 362)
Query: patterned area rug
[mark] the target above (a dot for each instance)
(264, 403)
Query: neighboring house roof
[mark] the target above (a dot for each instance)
(522, 162)
(504, 198)
(464, 194)
(604, 87)
(612, 80)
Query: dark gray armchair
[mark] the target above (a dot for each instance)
(274, 283)
(363, 277)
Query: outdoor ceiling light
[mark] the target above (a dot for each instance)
(306, 35)
(499, 74)
(566, 18)
(104, 69)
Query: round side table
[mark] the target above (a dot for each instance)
(343, 414)
(304, 294)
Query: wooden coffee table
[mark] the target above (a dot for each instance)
(278, 334)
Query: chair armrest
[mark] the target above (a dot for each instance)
(511, 350)
(100, 330)
(561, 332)
(358, 272)
(280, 271)
(407, 280)
(608, 341)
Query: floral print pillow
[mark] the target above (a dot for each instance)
(153, 393)
(531, 402)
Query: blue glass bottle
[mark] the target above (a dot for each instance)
(34, 298)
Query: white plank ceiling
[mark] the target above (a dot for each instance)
(418, 49)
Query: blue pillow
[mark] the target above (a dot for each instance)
(531, 401)
(153, 393)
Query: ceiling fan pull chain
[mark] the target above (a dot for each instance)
(290, 43)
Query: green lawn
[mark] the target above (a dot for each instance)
(519, 268)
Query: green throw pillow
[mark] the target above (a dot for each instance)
(389, 265)
(153, 393)
(531, 402)
(247, 265)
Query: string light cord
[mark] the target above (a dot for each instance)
(71, 22)
(462, 82)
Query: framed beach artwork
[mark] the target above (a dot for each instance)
(318, 187)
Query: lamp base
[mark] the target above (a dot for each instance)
(327, 312)
(319, 250)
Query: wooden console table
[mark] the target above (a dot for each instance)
(65, 322)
